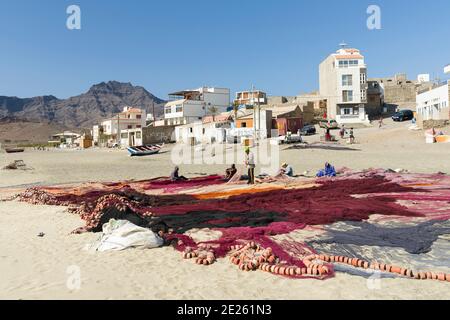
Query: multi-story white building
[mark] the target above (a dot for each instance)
(434, 104)
(343, 83)
(192, 105)
(129, 118)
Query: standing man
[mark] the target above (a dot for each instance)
(352, 136)
(250, 163)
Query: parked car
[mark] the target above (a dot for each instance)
(403, 115)
(308, 130)
(328, 124)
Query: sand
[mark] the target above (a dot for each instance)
(45, 267)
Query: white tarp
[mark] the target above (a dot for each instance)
(121, 235)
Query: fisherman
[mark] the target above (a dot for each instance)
(287, 170)
(230, 172)
(174, 176)
(250, 163)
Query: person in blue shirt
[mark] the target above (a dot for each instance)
(328, 171)
(287, 170)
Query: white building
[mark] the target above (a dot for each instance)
(343, 83)
(209, 130)
(192, 105)
(433, 104)
(129, 118)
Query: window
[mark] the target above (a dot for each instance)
(138, 126)
(203, 131)
(347, 80)
(347, 95)
(363, 95)
(179, 109)
(347, 111)
(362, 78)
(168, 110)
(138, 116)
(244, 125)
(130, 126)
(138, 135)
(190, 130)
(343, 64)
(348, 63)
(124, 135)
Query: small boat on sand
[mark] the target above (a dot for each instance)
(144, 150)
(14, 150)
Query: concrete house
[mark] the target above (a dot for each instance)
(129, 118)
(250, 98)
(212, 129)
(433, 104)
(343, 83)
(191, 106)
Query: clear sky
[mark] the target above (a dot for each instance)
(172, 45)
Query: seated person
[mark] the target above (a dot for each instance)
(230, 172)
(328, 171)
(174, 176)
(287, 170)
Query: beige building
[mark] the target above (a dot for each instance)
(129, 118)
(250, 98)
(343, 83)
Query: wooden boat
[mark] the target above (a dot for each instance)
(144, 150)
(14, 150)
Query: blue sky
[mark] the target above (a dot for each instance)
(173, 45)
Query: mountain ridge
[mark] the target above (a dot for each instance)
(100, 102)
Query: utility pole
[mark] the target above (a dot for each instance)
(254, 111)
(154, 117)
(259, 117)
(118, 128)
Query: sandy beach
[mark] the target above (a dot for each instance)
(41, 267)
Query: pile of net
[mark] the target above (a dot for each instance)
(375, 221)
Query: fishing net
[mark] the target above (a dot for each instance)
(351, 221)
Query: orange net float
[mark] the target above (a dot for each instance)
(358, 263)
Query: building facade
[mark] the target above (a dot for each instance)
(250, 98)
(343, 83)
(191, 106)
(375, 99)
(129, 118)
(433, 104)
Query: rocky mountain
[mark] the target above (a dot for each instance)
(101, 101)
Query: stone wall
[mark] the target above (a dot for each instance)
(161, 134)
(429, 124)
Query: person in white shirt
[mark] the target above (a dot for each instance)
(250, 163)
